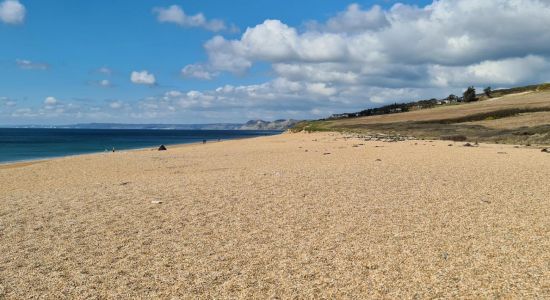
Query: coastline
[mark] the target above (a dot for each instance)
(27, 162)
(320, 215)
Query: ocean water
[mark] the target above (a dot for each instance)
(23, 144)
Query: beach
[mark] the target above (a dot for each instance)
(320, 215)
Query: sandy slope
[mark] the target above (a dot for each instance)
(264, 218)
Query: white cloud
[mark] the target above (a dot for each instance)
(358, 58)
(30, 65)
(143, 77)
(446, 32)
(354, 19)
(381, 55)
(7, 102)
(321, 89)
(198, 71)
(105, 71)
(104, 83)
(116, 104)
(175, 14)
(501, 72)
(12, 12)
(51, 101)
(23, 112)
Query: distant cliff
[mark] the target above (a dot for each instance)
(265, 125)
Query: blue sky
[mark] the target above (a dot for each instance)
(67, 61)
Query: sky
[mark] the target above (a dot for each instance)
(212, 61)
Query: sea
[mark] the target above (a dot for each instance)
(25, 144)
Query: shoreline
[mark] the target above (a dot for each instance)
(27, 162)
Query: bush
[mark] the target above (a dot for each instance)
(488, 91)
(455, 138)
(470, 94)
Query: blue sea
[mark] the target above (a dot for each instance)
(21, 144)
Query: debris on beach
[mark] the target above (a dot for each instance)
(162, 148)
(156, 202)
(326, 153)
(378, 159)
(125, 183)
(545, 150)
(470, 145)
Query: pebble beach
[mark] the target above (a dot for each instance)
(321, 215)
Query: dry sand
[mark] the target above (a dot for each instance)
(274, 217)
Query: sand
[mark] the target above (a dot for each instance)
(278, 217)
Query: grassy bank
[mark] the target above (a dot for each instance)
(518, 116)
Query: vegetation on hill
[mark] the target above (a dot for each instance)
(500, 120)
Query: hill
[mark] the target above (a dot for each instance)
(265, 125)
(519, 115)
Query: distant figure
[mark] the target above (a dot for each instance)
(113, 149)
(162, 148)
(204, 141)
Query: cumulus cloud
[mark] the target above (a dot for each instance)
(504, 72)
(175, 14)
(26, 64)
(354, 19)
(360, 57)
(50, 101)
(198, 71)
(375, 55)
(143, 77)
(12, 12)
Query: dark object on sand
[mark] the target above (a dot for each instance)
(326, 153)
(204, 141)
(162, 148)
(545, 150)
(378, 159)
(468, 145)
